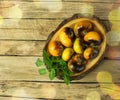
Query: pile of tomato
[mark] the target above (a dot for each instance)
(76, 45)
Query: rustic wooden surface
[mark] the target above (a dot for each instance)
(22, 39)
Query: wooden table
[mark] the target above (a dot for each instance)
(24, 28)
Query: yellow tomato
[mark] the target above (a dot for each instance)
(55, 48)
(92, 35)
(65, 39)
(67, 53)
(87, 53)
(77, 46)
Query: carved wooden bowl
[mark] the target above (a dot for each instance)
(89, 48)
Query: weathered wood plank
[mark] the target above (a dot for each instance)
(99, 1)
(30, 29)
(39, 24)
(34, 48)
(24, 68)
(18, 67)
(22, 34)
(21, 47)
(19, 98)
(43, 10)
(49, 90)
(113, 52)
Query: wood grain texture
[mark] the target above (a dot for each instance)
(41, 9)
(23, 34)
(30, 29)
(54, 91)
(99, 1)
(18, 98)
(24, 68)
(35, 24)
(34, 48)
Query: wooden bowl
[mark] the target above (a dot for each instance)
(98, 26)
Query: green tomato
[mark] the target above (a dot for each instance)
(67, 53)
(77, 46)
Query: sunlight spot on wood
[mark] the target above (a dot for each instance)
(14, 14)
(93, 95)
(116, 94)
(116, 27)
(1, 20)
(20, 93)
(86, 9)
(48, 91)
(107, 85)
(114, 16)
(113, 38)
(50, 5)
(104, 76)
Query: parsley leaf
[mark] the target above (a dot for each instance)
(42, 71)
(39, 62)
(52, 74)
(47, 59)
(56, 66)
(66, 79)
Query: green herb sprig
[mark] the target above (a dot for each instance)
(56, 67)
(39, 63)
